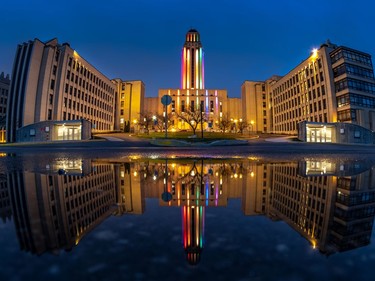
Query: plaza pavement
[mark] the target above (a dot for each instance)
(121, 142)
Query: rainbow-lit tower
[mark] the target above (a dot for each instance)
(192, 63)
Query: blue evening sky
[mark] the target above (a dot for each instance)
(142, 39)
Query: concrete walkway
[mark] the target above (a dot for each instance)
(281, 139)
(112, 138)
(182, 143)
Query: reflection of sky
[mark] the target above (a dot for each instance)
(149, 247)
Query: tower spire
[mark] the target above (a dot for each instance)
(192, 64)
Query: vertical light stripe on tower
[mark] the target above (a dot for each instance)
(200, 69)
(196, 84)
(188, 70)
(183, 72)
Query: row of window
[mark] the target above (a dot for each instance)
(353, 69)
(356, 199)
(350, 55)
(4, 92)
(349, 83)
(99, 125)
(292, 125)
(283, 124)
(192, 106)
(93, 112)
(353, 214)
(295, 112)
(310, 94)
(347, 115)
(93, 101)
(300, 102)
(88, 98)
(302, 75)
(89, 87)
(354, 99)
(80, 69)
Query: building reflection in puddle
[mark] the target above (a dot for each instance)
(330, 203)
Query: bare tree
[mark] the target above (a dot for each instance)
(159, 121)
(145, 120)
(225, 123)
(242, 125)
(193, 117)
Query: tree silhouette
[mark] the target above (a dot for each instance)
(146, 120)
(225, 123)
(193, 117)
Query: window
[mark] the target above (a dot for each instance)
(52, 84)
(49, 114)
(50, 99)
(57, 55)
(183, 106)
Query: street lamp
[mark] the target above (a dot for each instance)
(135, 123)
(252, 125)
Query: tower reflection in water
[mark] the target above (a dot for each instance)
(330, 203)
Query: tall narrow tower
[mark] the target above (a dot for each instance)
(192, 63)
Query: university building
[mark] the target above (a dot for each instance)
(331, 93)
(193, 96)
(4, 91)
(55, 94)
(130, 104)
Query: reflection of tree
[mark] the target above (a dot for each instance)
(194, 176)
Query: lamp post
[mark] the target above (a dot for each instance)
(135, 124)
(201, 108)
(154, 118)
(252, 125)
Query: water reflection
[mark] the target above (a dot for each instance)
(330, 203)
